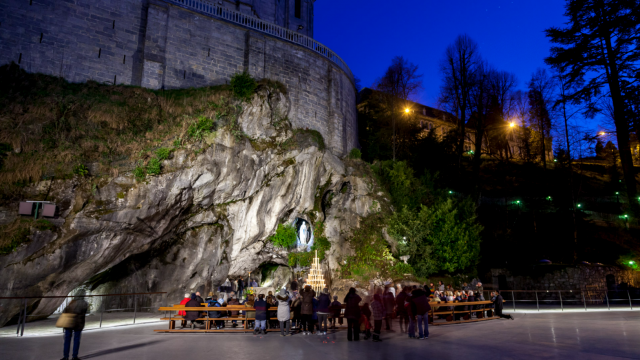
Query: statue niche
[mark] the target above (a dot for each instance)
(304, 234)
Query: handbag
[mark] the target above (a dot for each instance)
(66, 321)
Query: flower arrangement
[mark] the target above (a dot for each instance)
(250, 291)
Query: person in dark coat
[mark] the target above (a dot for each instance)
(261, 307)
(402, 315)
(365, 319)
(352, 313)
(389, 304)
(213, 302)
(306, 310)
(498, 302)
(335, 309)
(420, 299)
(294, 285)
(193, 315)
(324, 301)
(79, 308)
(240, 287)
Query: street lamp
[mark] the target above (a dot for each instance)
(406, 110)
(617, 196)
(512, 124)
(579, 205)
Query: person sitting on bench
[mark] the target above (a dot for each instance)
(193, 315)
(213, 302)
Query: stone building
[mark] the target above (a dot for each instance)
(168, 44)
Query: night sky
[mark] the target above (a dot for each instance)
(367, 34)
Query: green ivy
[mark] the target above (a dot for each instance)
(355, 154)
(154, 167)
(163, 153)
(80, 170)
(243, 85)
(285, 236)
(140, 172)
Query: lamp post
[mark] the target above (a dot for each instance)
(618, 197)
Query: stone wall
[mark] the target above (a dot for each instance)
(155, 44)
(551, 277)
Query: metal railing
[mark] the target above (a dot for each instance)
(266, 27)
(136, 303)
(572, 299)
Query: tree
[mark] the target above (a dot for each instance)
(540, 101)
(444, 236)
(521, 110)
(399, 83)
(458, 68)
(598, 51)
(480, 103)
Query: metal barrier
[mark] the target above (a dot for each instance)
(138, 302)
(266, 27)
(616, 299)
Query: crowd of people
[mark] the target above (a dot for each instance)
(308, 313)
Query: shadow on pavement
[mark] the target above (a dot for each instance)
(119, 349)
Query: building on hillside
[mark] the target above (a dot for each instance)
(507, 140)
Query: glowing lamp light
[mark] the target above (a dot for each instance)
(512, 124)
(579, 205)
(450, 192)
(617, 193)
(518, 202)
(601, 133)
(555, 160)
(631, 262)
(406, 111)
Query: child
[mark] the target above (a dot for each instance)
(335, 309)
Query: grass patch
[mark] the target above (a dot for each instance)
(17, 233)
(163, 153)
(200, 128)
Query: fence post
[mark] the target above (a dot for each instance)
(537, 303)
(606, 295)
(19, 320)
(584, 301)
(630, 304)
(134, 308)
(513, 298)
(24, 321)
(561, 306)
(101, 312)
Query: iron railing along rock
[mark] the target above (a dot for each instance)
(622, 298)
(22, 315)
(266, 27)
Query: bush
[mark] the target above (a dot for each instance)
(405, 189)
(243, 86)
(163, 153)
(140, 172)
(202, 127)
(80, 170)
(355, 154)
(154, 167)
(285, 236)
(43, 224)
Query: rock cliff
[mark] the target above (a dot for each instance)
(206, 218)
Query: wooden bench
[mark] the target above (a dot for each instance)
(209, 320)
(485, 306)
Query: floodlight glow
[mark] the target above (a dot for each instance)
(601, 133)
(512, 124)
(406, 110)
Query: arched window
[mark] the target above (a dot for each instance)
(298, 10)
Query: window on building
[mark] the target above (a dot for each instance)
(421, 124)
(298, 10)
(424, 111)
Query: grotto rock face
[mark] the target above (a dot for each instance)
(206, 218)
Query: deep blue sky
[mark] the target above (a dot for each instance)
(367, 34)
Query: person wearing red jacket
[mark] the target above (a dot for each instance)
(184, 301)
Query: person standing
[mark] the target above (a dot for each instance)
(379, 312)
(336, 311)
(240, 287)
(78, 307)
(402, 314)
(307, 310)
(421, 301)
(261, 309)
(284, 312)
(324, 302)
(352, 313)
(389, 304)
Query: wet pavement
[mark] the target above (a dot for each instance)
(570, 335)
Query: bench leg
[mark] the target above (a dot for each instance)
(172, 325)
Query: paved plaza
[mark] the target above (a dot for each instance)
(573, 335)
